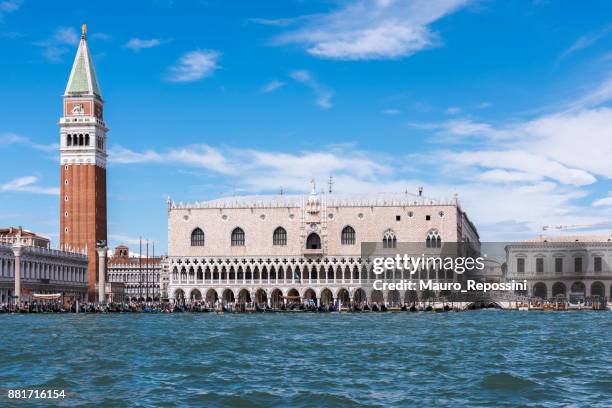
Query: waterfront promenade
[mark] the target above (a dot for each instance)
(458, 303)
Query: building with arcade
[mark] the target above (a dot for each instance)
(290, 248)
(30, 267)
(564, 266)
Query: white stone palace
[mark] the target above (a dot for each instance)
(563, 265)
(289, 248)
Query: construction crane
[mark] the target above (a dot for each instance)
(576, 226)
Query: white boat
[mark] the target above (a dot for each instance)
(522, 306)
(576, 303)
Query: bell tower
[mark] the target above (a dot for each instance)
(83, 162)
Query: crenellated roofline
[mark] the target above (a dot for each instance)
(328, 200)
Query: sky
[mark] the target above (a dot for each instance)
(505, 103)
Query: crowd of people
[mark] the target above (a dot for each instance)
(194, 306)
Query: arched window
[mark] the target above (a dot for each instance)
(80, 139)
(313, 241)
(279, 237)
(238, 237)
(197, 237)
(433, 239)
(86, 139)
(68, 140)
(348, 236)
(389, 239)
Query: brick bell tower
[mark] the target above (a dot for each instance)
(83, 162)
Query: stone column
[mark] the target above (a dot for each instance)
(17, 252)
(102, 274)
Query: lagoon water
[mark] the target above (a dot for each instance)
(482, 358)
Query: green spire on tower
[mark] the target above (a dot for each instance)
(83, 79)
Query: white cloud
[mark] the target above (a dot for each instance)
(7, 139)
(256, 169)
(66, 35)
(504, 204)
(586, 41)
(595, 97)
(529, 172)
(453, 110)
(56, 46)
(462, 129)
(536, 166)
(137, 44)
(572, 147)
(511, 177)
(579, 140)
(194, 66)
(371, 29)
(27, 184)
(279, 22)
(272, 86)
(7, 7)
(391, 111)
(195, 155)
(603, 202)
(323, 95)
(504, 176)
(100, 36)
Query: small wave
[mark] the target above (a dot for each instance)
(507, 382)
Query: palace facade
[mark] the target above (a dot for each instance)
(563, 266)
(290, 248)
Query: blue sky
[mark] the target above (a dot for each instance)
(506, 104)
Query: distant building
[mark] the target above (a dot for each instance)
(296, 248)
(493, 271)
(11, 235)
(43, 270)
(140, 276)
(563, 266)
